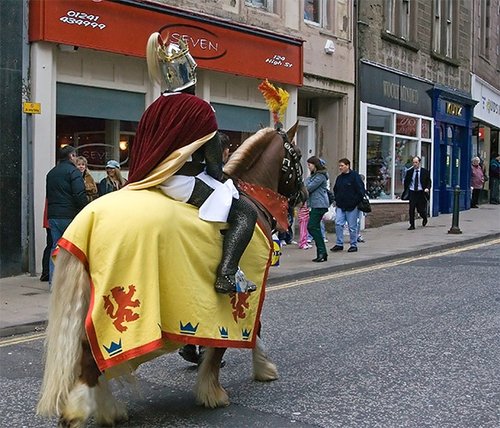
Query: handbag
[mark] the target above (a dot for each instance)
(364, 205)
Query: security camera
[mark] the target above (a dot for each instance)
(329, 47)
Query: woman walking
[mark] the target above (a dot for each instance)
(318, 204)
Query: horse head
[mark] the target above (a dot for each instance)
(270, 159)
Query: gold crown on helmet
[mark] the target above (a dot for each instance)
(172, 63)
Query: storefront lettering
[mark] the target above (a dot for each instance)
(82, 18)
(279, 60)
(454, 109)
(398, 92)
(490, 106)
(201, 42)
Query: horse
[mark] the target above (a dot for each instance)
(74, 388)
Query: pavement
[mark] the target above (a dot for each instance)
(24, 299)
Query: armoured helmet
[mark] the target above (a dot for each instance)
(171, 63)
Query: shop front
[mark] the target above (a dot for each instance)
(452, 148)
(90, 76)
(486, 127)
(396, 124)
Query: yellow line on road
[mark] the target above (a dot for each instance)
(24, 339)
(37, 336)
(380, 266)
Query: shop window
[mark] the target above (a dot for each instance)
(392, 140)
(379, 120)
(99, 140)
(379, 167)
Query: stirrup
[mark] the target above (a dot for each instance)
(243, 284)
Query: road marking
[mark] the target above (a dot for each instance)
(24, 339)
(37, 336)
(371, 268)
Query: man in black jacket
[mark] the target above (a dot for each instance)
(65, 191)
(349, 191)
(417, 185)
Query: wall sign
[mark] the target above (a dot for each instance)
(215, 44)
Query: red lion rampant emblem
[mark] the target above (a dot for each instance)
(124, 303)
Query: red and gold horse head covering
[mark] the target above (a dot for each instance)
(170, 130)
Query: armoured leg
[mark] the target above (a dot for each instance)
(242, 218)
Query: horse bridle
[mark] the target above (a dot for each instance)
(289, 167)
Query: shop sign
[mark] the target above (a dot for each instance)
(123, 29)
(488, 107)
(32, 108)
(454, 109)
(387, 89)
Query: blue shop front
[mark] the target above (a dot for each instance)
(453, 113)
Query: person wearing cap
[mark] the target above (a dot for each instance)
(66, 196)
(113, 180)
(177, 148)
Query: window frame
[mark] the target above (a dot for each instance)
(267, 5)
(444, 29)
(399, 17)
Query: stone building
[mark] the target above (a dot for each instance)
(89, 77)
(414, 62)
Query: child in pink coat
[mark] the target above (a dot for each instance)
(303, 216)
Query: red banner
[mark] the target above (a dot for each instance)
(215, 44)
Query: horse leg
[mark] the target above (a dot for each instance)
(81, 402)
(91, 395)
(264, 370)
(208, 390)
(109, 410)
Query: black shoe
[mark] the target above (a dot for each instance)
(321, 258)
(424, 222)
(411, 228)
(474, 206)
(352, 249)
(337, 248)
(44, 277)
(188, 352)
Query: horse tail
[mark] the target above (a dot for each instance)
(152, 57)
(69, 302)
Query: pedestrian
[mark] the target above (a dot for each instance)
(90, 185)
(66, 196)
(495, 179)
(303, 217)
(349, 191)
(113, 180)
(316, 185)
(476, 181)
(44, 277)
(417, 185)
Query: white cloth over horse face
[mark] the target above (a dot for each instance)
(217, 205)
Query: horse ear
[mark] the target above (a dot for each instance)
(291, 132)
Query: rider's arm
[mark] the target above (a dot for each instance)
(213, 157)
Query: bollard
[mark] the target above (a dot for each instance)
(456, 207)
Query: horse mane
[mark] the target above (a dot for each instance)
(248, 153)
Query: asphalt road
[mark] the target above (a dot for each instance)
(412, 344)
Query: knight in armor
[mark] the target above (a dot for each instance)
(179, 124)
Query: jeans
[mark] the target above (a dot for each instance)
(351, 217)
(57, 228)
